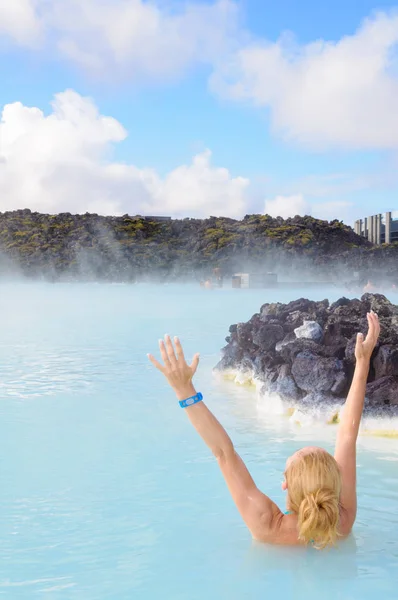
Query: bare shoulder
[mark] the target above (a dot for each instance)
(283, 531)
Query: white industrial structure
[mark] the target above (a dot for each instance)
(378, 229)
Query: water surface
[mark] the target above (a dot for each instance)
(106, 491)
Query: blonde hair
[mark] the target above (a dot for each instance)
(314, 484)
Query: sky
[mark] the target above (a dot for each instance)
(199, 108)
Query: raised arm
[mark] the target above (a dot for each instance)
(260, 514)
(345, 453)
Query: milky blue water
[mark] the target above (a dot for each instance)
(107, 492)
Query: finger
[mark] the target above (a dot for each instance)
(378, 326)
(359, 340)
(370, 333)
(170, 350)
(377, 329)
(179, 350)
(195, 363)
(155, 363)
(374, 326)
(163, 353)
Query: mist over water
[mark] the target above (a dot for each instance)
(106, 490)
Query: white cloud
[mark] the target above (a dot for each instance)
(296, 204)
(319, 95)
(323, 94)
(287, 206)
(140, 36)
(60, 163)
(133, 38)
(19, 21)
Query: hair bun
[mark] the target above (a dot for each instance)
(318, 517)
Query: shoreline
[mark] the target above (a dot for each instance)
(273, 406)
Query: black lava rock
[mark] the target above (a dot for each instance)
(298, 365)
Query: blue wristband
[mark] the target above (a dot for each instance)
(192, 400)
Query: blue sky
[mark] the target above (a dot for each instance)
(288, 107)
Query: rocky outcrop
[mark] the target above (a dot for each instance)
(304, 351)
(127, 248)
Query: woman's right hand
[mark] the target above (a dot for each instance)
(364, 347)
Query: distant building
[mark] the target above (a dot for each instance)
(378, 229)
(254, 280)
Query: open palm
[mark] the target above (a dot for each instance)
(175, 368)
(365, 346)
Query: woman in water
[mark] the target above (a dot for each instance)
(321, 489)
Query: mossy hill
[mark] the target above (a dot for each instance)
(127, 248)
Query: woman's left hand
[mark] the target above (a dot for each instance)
(175, 368)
